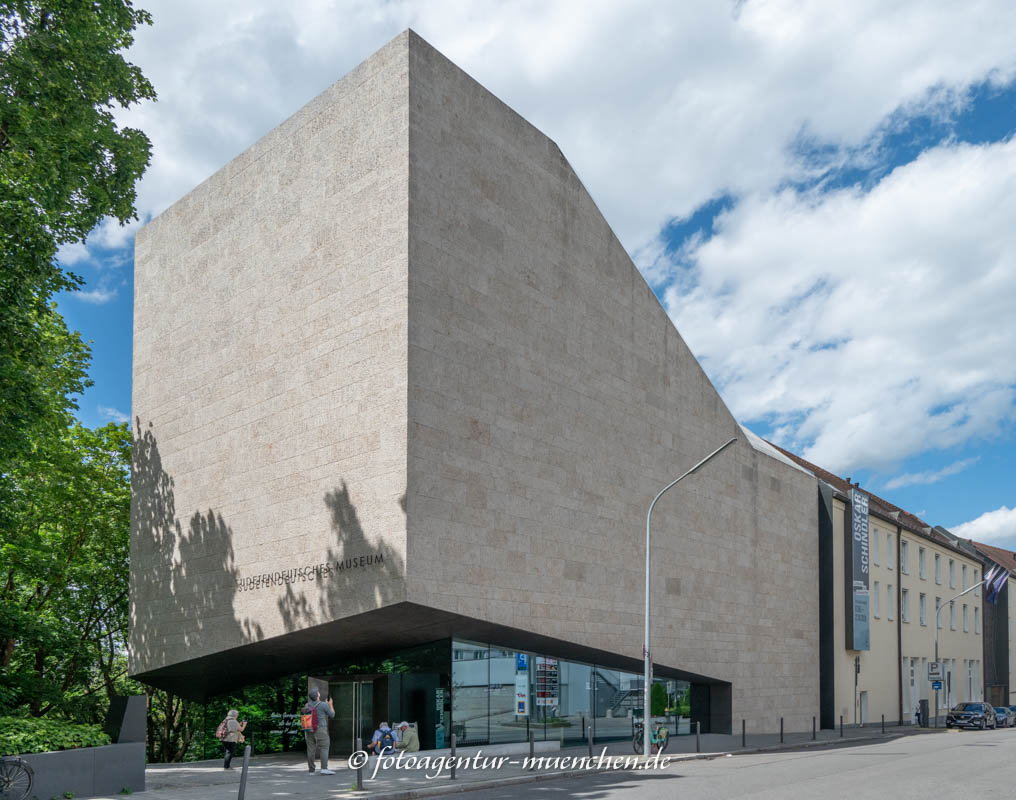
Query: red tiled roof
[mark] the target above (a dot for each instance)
(877, 505)
(1001, 556)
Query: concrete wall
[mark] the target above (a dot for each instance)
(550, 397)
(88, 771)
(270, 380)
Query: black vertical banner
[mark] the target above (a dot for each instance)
(856, 572)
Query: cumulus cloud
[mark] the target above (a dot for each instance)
(862, 326)
(112, 414)
(929, 476)
(660, 106)
(990, 526)
(865, 327)
(98, 296)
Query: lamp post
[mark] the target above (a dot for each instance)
(938, 613)
(645, 647)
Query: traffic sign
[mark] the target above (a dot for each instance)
(936, 685)
(934, 671)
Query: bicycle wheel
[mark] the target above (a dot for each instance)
(16, 779)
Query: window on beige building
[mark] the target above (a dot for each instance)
(964, 574)
(977, 583)
(952, 574)
(905, 605)
(904, 557)
(876, 610)
(889, 602)
(952, 616)
(966, 621)
(938, 568)
(938, 616)
(875, 555)
(922, 565)
(977, 620)
(922, 602)
(890, 552)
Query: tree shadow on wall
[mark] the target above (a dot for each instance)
(364, 575)
(183, 580)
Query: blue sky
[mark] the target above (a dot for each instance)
(823, 202)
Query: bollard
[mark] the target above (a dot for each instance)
(359, 770)
(453, 756)
(841, 726)
(813, 729)
(532, 751)
(243, 772)
(883, 724)
(698, 741)
(589, 738)
(781, 730)
(743, 741)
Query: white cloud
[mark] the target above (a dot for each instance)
(929, 476)
(97, 296)
(70, 254)
(866, 327)
(660, 106)
(990, 526)
(112, 414)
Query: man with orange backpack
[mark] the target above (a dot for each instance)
(314, 721)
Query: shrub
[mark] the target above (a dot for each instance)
(32, 735)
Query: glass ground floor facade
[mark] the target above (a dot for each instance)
(488, 695)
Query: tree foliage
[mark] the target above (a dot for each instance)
(65, 567)
(64, 166)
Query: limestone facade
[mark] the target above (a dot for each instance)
(398, 326)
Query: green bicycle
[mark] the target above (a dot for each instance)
(658, 738)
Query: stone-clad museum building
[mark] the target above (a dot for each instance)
(401, 394)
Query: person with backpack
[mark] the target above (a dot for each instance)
(314, 721)
(230, 733)
(384, 738)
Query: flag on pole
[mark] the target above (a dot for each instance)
(994, 581)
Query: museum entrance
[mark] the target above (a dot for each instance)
(358, 700)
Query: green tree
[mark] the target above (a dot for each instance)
(64, 580)
(658, 700)
(64, 166)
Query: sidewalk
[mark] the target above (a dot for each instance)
(285, 775)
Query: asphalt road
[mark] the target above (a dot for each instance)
(954, 764)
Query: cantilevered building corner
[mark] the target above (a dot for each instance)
(398, 386)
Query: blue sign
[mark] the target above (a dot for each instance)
(936, 686)
(521, 662)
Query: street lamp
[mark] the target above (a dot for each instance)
(645, 646)
(938, 618)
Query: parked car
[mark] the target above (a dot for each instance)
(1010, 716)
(1001, 717)
(972, 715)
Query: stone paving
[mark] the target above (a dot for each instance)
(285, 775)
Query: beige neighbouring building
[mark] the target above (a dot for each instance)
(912, 570)
(402, 397)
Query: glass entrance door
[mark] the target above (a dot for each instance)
(354, 715)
